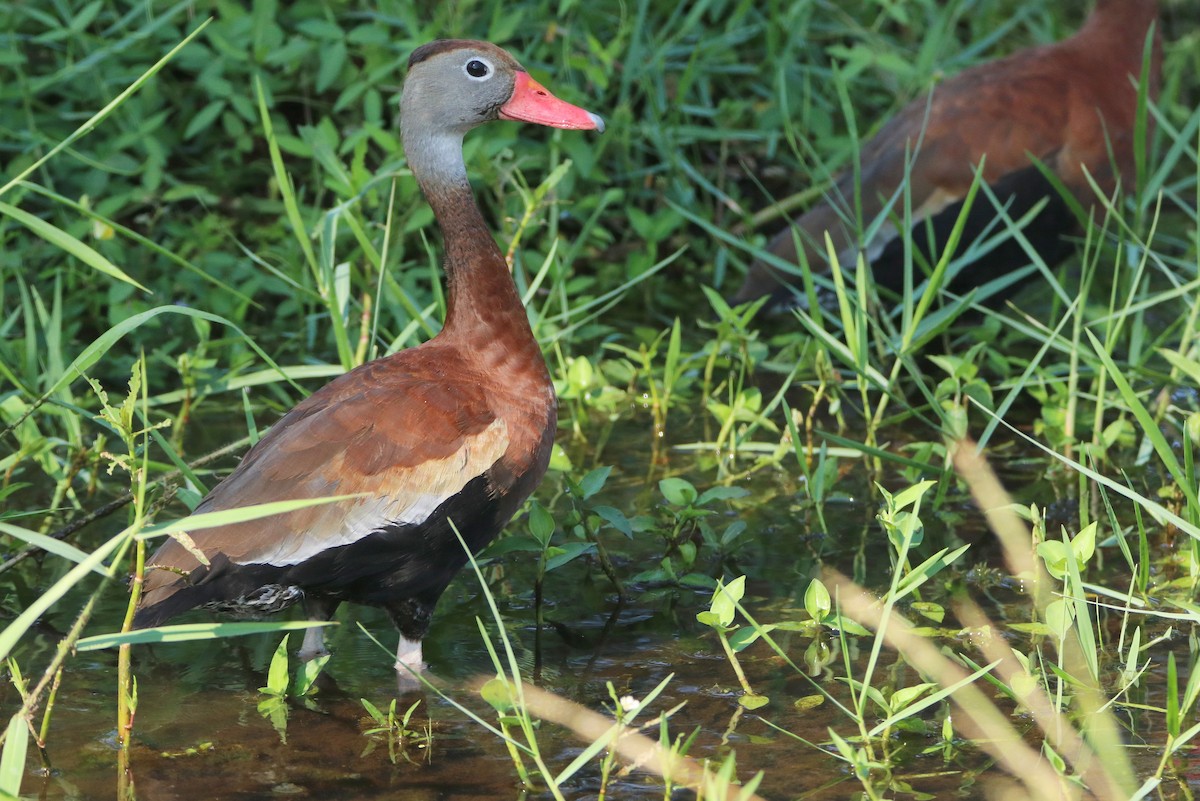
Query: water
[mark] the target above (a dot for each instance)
(199, 732)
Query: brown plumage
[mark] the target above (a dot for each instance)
(455, 431)
(1071, 104)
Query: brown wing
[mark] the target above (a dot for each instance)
(1069, 104)
(970, 115)
(407, 431)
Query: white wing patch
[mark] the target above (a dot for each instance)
(392, 499)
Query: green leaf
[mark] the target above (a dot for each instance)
(277, 675)
(333, 58)
(725, 600)
(678, 491)
(700, 581)
(579, 373)
(1054, 554)
(1190, 367)
(817, 602)
(674, 346)
(275, 709)
(741, 639)
(541, 524)
(844, 748)
(1058, 617)
(807, 702)
(848, 625)
(307, 673)
(374, 712)
(904, 697)
(568, 552)
(721, 494)
(12, 760)
(927, 569)
(687, 552)
(615, 518)
(204, 118)
(732, 532)
(930, 610)
(1059, 764)
(754, 701)
(65, 242)
(559, 460)
(497, 694)
(594, 481)
(1084, 543)
(911, 495)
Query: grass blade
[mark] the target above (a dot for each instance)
(98, 117)
(15, 630)
(188, 632)
(69, 244)
(12, 760)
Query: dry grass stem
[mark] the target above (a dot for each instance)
(634, 747)
(982, 721)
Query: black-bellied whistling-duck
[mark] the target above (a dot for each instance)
(455, 431)
(1072, 105)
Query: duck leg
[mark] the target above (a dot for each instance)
(412, 618)
(321, 609)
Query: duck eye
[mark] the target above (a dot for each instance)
(477, 69)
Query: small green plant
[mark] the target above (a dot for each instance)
(719, 617)
(878, 709)
(683, 523)
(962, 381)
(587, 520)
(823, 623)
(582, 388)
(661, 383)
(580, 529)
(283, 687)
(397, 731)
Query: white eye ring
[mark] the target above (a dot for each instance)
(474, 65)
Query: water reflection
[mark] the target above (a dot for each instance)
(200, 733)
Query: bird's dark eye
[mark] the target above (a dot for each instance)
(477, 69)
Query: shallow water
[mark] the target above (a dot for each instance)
(204, 696)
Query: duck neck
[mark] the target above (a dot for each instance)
(1116, 21)
(1112, 38)
(482, 301)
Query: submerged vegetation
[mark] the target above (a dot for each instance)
(945, 543)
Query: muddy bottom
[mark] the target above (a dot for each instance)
(199, 731)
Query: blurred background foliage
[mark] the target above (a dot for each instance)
(718, 107)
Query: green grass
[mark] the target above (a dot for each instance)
(219, 208)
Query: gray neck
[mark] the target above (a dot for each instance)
(479, 290)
